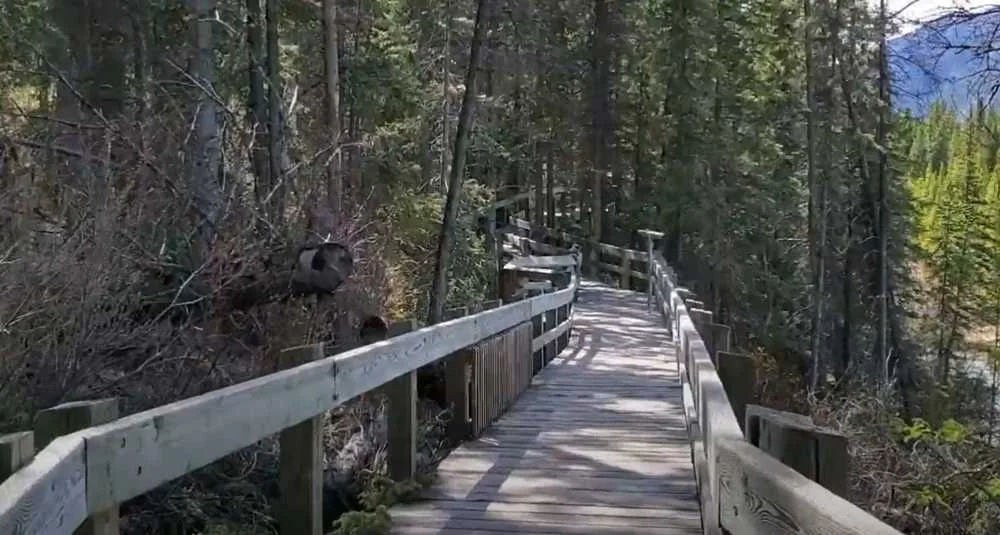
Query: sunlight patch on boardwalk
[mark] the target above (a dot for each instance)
(596, 445)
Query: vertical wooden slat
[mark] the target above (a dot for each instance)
(477, 385)
(495, 384)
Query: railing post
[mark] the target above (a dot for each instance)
(562, 314)
(16, 450)
(715, 335)
(719, 334)
(68, 418)
(818, 453)
(626, 267)
(300, 469)
(401, 420)
(457, 376)
(738, 377)
(701, 318)
(650, 280)
(551, 320)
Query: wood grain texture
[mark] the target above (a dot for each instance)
(761, 496)
(748, 491)
(74, 416)
(596, 444)
(48, 496)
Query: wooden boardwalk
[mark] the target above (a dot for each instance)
(595, 446)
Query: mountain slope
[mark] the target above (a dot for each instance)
(953, 58)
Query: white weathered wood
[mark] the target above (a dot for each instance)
(48, 496)
(547, 337)
(535, 247)
(754, 493)
(762, 496)
(140, 452)
(521, 262)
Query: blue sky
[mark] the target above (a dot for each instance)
(911, 12)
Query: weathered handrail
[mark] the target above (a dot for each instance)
(623, 269)
(743, 490)
(91, 471)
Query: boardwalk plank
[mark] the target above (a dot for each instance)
(596, 445)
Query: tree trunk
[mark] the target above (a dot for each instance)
(331, 64)
(883, 207)
(550, 185)
(140, 70)
(538, 184)
(275, 127)
(817, 204)
(601, 127)
(203, 146)
(258, 102)
(445, 97)
(446, 239)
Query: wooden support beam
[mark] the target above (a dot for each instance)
(738, 377)
(71, 417)
(300, 471)
(16, 450)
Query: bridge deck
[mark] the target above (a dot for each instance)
(596, 445)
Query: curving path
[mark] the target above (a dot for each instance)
(597, 445)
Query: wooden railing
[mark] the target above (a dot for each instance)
(759, 471)
(628, 266)
(91, 461)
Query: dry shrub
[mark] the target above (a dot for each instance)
(116, 303)
(921, 478)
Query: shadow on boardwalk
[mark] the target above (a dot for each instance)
(596, 445)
